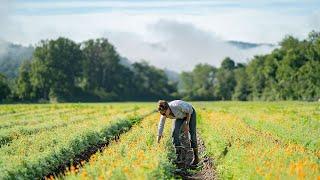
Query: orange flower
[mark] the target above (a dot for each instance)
(84, 174)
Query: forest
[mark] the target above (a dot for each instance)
(62, 70)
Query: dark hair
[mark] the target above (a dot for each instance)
(163, 106)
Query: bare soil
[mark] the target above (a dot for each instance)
(204, 170)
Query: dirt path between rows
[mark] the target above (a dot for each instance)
(80, 159)
(205, 169)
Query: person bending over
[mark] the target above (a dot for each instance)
(184, 116)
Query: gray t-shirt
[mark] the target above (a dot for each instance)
(179, 109)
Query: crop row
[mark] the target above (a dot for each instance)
(241, 152)
(20, 113)
(37, 155)
(40, 114)
(135, 156)
(52, 122)
(292, 122)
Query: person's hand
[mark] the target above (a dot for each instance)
(186, 128)
(159, 138)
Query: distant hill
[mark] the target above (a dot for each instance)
(11, 57)
(247, 45)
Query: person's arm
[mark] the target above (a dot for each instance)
(161, 127)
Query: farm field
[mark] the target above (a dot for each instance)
(35, 145)
(118, 140)
(278, 140)
(135, 156)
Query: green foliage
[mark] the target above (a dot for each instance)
(198, 84)
(309, 81)
(52, 73)
(55, 67)
(58, 140)
(290, 72)
(256, 77)
(260, 140)
(102, 70)
(4, 88)
(225, 84)
(24, 87)
(151, 83)
(228, 64)
(62, 70)
(242, 89)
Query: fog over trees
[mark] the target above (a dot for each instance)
(63, 70)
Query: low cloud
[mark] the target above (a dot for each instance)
(3, 48)
(4, 11)
(314, 21)
(177, 40)
(180, 46)
(7, 24)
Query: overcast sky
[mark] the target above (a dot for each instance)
(172, 34)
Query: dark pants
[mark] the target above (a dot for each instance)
(176, 129)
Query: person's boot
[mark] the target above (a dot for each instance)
(178, 150)
(196, 159)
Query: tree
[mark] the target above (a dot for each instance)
(271, 65)
(203, 78)
(225, 84)
(102, 72)
(256, 78)
(151, 83)
(225, 80)
(242, 89)
(313, 51)
(294, 58)
(198, 84)
(101, 62)
(24, 87)
(228, 64)
(4, 88)
(55, 66)
(309, 81)
(186, 85)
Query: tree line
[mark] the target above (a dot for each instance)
(290, 72)
(63, 70)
